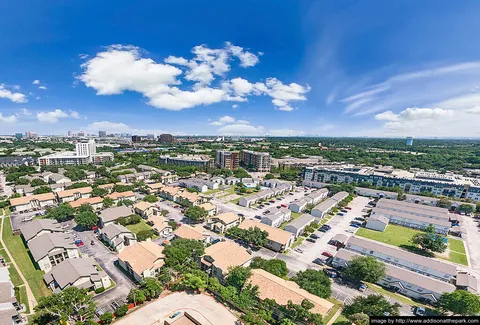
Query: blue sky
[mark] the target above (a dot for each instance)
(329, 68)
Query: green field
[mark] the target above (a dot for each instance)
(142, 225)
(21, 256)
(401, 237)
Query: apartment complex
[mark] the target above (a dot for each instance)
(202, 161)
(9, 306)
(257, 161)
(227, 159)
(85, 153)
(413, 215)
(450, 185)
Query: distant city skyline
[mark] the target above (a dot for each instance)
(283, 68)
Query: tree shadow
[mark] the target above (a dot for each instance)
(417, 250)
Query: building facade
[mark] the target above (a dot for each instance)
(227, 159)
(258, 161)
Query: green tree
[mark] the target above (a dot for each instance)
(99, 192)
(42, 190)
(365, 268)
(70, 305)
(145, 234)
(371, 305)
(253, 235)
(196, 213)
(360, 319)
(61, 213)
(121, 311)
(194, 282)
(315, 282)
(269, 176)
(173, 224)
(466, 208)
(444, 203)
(183, 253)
(151, 287)
(274, 266)
(125, 202)
(107, 202)
(460, 302)
(429, 240)
(237, 276)
(78, 185)
(106, 318)
(86, 219)
(136, 296)
(37, 182)
(20, 181)
(150, 198)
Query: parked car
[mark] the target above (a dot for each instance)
(340, 214)
(362, 287)
(331, 273)
(327, 254)
(348, 208)
(215, 241)
(314, 236)
(290, 193)
(354, 225)
(319, 261)
(419, 311)
(272, 201)
(299, 250)
(343, 210)
(283, 205)
(326, 227)
(311, 240)
(258, 217)
(351, 231)
(79, 243)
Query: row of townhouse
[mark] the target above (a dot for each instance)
(313, 198)
(278, 240)
(117, 237)
(74, 194)
(276, 216)
(249, 200)
(224, 221)
(27, 190)
(166, 177)
(297, 226)
(199, 184)
(414, 209)
(181, 196)
(33, 202)
(377, 194)
(117, 197)
(401, 280)
(56, 254)
(326, 206)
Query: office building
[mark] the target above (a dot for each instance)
(202, 161)
(69, 134)
(166, 138)
(227, 159)
(81, 134)
(85, 153)
(409, 141)
(450, 185)
(150, 136)
(136, 138)
(18, 136)
(102, 134)
(257, 161)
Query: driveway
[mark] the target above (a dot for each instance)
(106, 259)
(203, 307)
(472, 241)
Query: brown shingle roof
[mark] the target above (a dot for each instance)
(189, 232)
(227, 217)
(142, 205)
(143, 256)
(118, 195)
(89, 201)
(227, 254)
(282, 291)
(26, 199)
(274, 234)
(67, 193)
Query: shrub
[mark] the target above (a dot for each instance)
(99, 290)
(121, 311)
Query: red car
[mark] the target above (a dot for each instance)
(95, 228)
(327, 254)
(348, 208)
(283, 205)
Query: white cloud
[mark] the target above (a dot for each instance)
(122, 68)
(473, 110)
(387, 116)
(14, 97)
(26, 112)
(413, 114)
(36, 82)
(241, 129)
(223, 120)
(54, 116)
(42, 87)
(242, 122)
(8, 119)
(16, 87)
(117, 127)
(235, 106)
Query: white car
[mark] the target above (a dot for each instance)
(351, 231)
(298, 250)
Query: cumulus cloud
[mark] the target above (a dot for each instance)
(36, 82)
(15, 97)
(241, 129)
(412, 114)
(117, 127)
(26, 112)
(223, 120)
(235, 106)
(8, 119)
(473, 110)
(54, 116)
(121, 68)
(42, 87)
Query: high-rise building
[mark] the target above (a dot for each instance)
(81, 134)
(257, 161)
(85, 153)
(19, 136)
(136, 138)
(409, 141)
(69, 133)
(150, 136)
(227, 159)
(166, 138)
(102, 134)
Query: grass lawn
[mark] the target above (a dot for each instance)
(456, 258)
(21, 295)
(142, 225)
(21, 256)
(456, 245)
(336, 306)
(298, 242)
(342, 320)
(14, 276)
(235, 201)
(393, 235)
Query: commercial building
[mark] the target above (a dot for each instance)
(142, 260)
(222, 256)
(409, 141)
(166, 138)
(278, 240)
(16, 161)
(257, 161)
(297, 226)
(410, 261)
(83, 273)
(293, 162)
(201, 161)
(403, 281)
(227, 159)
(51, 249)
(282, 291)
(85, 153)
(118, 237)
(102, 134)
(136, 138)
(449, 185)
(373, 193)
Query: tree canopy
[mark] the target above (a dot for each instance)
(275, 266)
(371, 305)
(61, 213)
(365, 268)
(460, 302)
(196, 213)
(86, 219)
(253, 235)
(183, 253)
(237, 276)
(150, 198)
(315, 282)
(429, 240)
